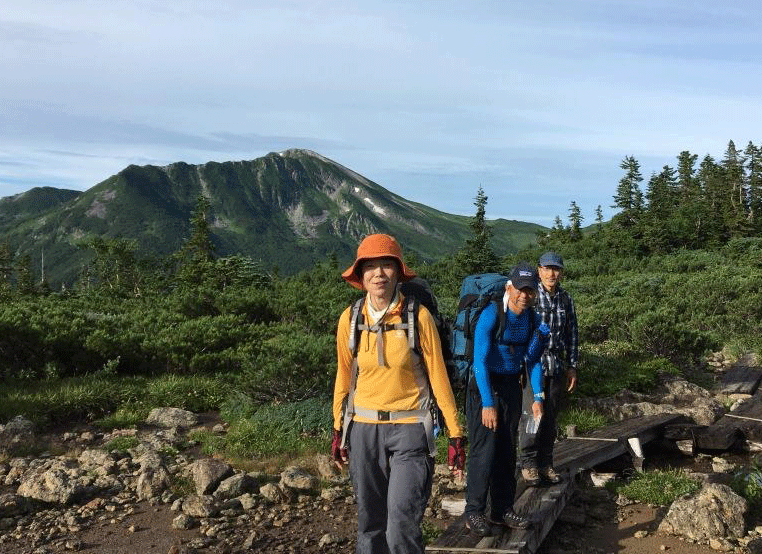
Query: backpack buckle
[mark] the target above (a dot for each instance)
(383, 415)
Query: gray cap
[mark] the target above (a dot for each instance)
(551, 259)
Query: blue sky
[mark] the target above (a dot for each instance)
(536, 102)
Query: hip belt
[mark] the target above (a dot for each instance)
(423, 416)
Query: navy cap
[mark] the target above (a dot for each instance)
(551, 259)
(523, 275)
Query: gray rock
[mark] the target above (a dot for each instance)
(325, 466)
(715, 512)
(13, 505)
(329, 539)
(52, 483)
(208, 473)
(250, 540)
(248, 501)
(152, 482)
(17, 434)
(200, 506)
(298, 479)
(235, 486)
(184, 521)
(172, 417)
(99, 461)
(272, 493)
(674, 395)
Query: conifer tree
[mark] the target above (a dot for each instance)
(575, 222)
(714, 229)
(628, 197)
(476, 255)
(598, 219)
(753, 160)
(735, 207)
(197, 254)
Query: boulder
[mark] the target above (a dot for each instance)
(715, 512)
(17, 434)
(272, 493)
(208, 473)
(172, 417)
(298, 479)
(54, 483)
(235, 486)
(199, 506)
(98, 461)
(152, 481)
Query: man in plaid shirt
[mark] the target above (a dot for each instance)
(559, 362)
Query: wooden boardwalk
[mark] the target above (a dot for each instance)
(542, 505)
(741, 379)
(744, 423)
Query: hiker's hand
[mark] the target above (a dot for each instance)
(544, 330)
(489, 418)
(339, 454)
(537, 409)
(571, 380)
(456, 456)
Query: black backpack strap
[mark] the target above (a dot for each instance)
(411, 311)
(500, 317)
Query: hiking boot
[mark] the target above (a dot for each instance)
(531, 476)
(478, 524)
(514, 520)
(549, 475)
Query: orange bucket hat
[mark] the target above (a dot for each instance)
(376, 246)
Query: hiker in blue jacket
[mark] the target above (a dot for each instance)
(494, 396)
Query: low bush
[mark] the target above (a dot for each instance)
(659, 487)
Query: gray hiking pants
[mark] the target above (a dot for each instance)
(391, 473)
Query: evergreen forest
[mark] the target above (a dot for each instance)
(676, 273)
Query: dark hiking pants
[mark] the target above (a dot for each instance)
(537, 450)
(492, 454)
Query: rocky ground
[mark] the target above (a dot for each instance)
(162, 495)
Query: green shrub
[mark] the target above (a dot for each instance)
(660, 487)
(121, 444)
(748, 483)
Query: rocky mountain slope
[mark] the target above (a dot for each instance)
(285, 209)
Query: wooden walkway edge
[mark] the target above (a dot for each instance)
(543, 505)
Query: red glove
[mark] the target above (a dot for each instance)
(456, 454)
(338, 453)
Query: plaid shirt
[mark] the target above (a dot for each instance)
(558, 312)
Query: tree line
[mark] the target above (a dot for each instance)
(693, 205)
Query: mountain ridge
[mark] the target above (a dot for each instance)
(287, 209)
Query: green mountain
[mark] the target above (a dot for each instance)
(288, 209)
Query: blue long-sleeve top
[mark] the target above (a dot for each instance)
(505, 356)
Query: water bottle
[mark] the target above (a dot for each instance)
(533, 424)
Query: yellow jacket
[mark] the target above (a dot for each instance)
(393, 387)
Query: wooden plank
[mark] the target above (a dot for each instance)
(745, 422)
(741, 379)
(577, 453)
(543, 506)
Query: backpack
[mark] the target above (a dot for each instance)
(476, 293)
(419, 289)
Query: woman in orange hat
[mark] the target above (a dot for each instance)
(390, 372)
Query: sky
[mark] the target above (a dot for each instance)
(536, 102)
